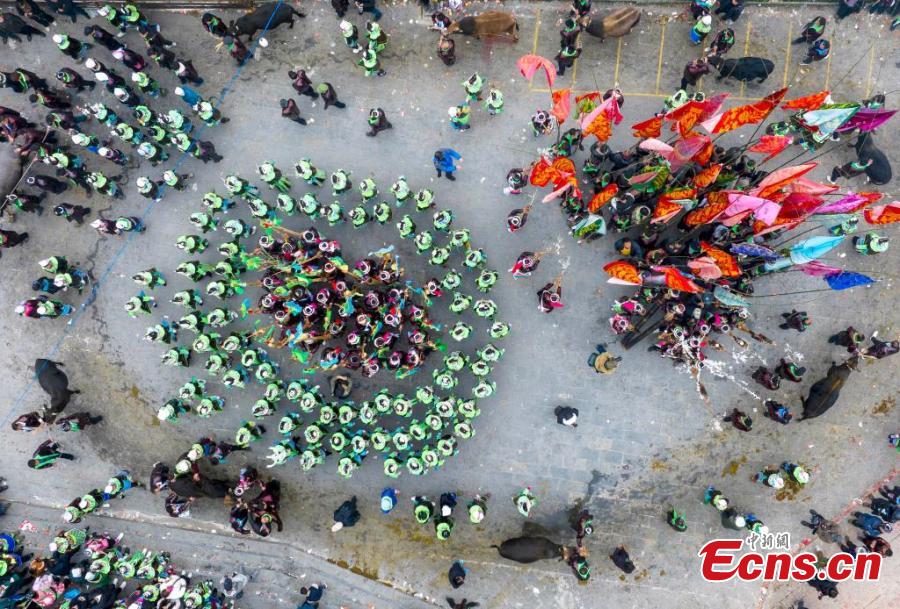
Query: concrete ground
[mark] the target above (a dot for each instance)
(646, 438)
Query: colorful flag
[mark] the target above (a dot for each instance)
(771, 145)
(623, 273)
(867, 119)
(825, 121)
(883, 214)
(529, 64)
(562, 104)
(716, 202)
(724, 260)
(850, 203)
(596, 123)
(780, 178)
(708, 175)
(603, 197)
(651, 127)
(809, 102)
(541, 173)
(686, 116)
(677, 280)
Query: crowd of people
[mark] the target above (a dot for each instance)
(84, 569)
(700, 224)
(332, 316)
(87, 140)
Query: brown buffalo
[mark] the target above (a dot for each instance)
(488, 23)
(614, 24)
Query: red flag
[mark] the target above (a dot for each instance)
(529, 64)
(771, 145)
(611, 110)
(776, 97)
(562, 104)
(883, 214)
(678, 281)
(564, 166)
(651, 127)
(780, 178)
(807, 103)
(712, 105)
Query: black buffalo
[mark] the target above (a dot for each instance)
(825, 392)
(55, 383)
(256, 20)
(879, 172)
(529, 549)
(744, 69)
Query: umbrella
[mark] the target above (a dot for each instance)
(729, 298)
(623, 273)
(529, 64)
(754, 251)
(815, 268)
(850, 203)
(592, 224)
(847, 279)
(813, 248)
(867, 119)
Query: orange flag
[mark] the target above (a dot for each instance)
(623, 272)
(649, 128)
(603, 197)
(749, 113)
(807, 103)
(686, 116)
(562, 104)
(708, 175)
(541, 173)
(716, 203)
(724, 260)
(564, 165)
(600, 126)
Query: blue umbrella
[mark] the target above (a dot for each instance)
(729, 298)
(813, 248)
(754, 250)
(847, 279)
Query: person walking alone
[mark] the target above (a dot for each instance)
(444, 162)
